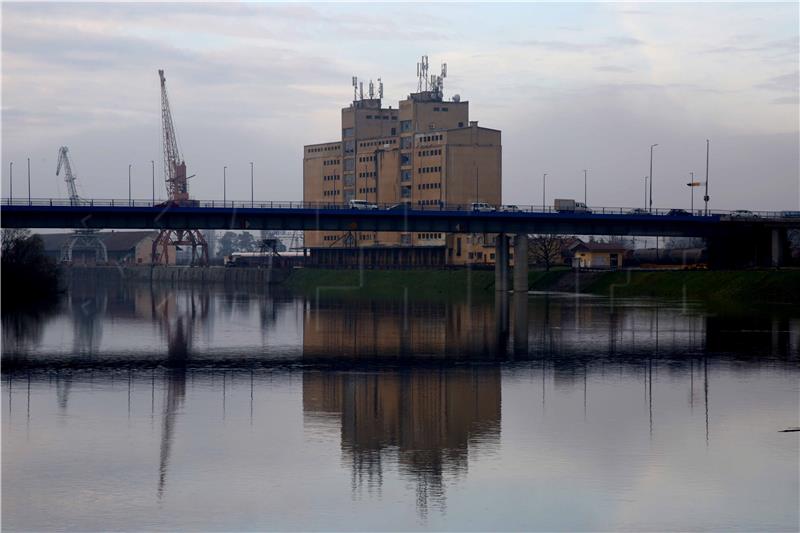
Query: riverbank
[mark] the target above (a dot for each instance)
(764, 286)
(175, 274)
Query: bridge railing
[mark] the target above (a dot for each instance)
(506, 210)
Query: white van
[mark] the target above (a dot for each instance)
(481, 206)
(362, 205)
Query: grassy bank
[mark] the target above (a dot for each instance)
(763, 286)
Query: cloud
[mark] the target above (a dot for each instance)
(785, 83)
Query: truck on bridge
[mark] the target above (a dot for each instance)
(568, 205)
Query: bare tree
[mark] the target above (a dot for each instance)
(545, 250)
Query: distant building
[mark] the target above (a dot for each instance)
(580, 254)
(123, 247)
(427, 154)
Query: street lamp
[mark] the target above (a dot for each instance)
(224, 185)
(645, 192)
(706, 197)
(251, 184)
(29, 181)
(585, 180)
(154, 181)
(129, 184)
(651, 176)
(11, 181)
(544, 188)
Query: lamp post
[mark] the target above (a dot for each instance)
(706, 197)
(544, 188)
(29, 181)
(129, 184)
(645, 192)
(154, 181)
(224, 185)
(651, 176)
(691, 185)
(251, 184)
(11, 181)
(585, 181)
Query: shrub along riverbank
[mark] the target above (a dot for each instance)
(765, 286)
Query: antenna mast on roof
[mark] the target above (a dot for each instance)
(380, 88)
(422, 74)
(371, 90)
(361, 90)
(355, 88)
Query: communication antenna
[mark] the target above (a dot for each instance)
(422, 74)
(361, 89)
(380, 89)
(355, 88)
(371, 90)
(444, 70)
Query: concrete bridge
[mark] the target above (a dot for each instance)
(734, 239)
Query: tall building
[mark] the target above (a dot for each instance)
(426, 153)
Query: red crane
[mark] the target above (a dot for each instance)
(178, 193)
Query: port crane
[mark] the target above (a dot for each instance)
(177, 184)
(81, 239)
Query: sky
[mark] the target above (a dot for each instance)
(571, 86)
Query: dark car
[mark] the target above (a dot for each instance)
(678, 213)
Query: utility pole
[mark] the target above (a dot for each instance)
(544, 188)
(154, 181)
(585, 180)
(691, 188)
(29, 181)
(251, 184)
(645, 192)
(706, 197)
(224, 185)
(651, 176)
(11, 181)
(129, 184)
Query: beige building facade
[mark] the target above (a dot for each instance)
(426, 153)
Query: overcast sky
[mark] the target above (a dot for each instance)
(570, 86)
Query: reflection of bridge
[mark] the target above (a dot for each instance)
(759, 239)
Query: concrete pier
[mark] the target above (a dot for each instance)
(521, 262)
(501, 263)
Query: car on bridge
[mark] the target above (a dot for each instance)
(362, 205)
(638, 211)
(678, 213)
(509, 209)
(790, 214)
(482, 207)
(742, 214)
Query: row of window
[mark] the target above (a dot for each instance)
(366, 159)
(331, 162)
(444, 109)
(430, 202)
(332, 177)
(381, 142)
(382, 117)
(425, 153)
(428, 170)
(331, 193)
(365, 190)
(367, 174)
(330, 237)
(426, 186)
(331, 148)
(426, 236)
(366, 237)
(431, 138)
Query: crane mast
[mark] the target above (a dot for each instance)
(174, 166)
(69, 177)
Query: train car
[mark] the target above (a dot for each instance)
(287, 259)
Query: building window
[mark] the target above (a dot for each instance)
(405, 159)
(458, 247)
(349, 164)
(405, 191)
(349, 147)
(460, 124)
(349, 180)
(405, 125)
(405, 175)
(444, 109)
(394, 131)
(348, 132)
(406, 142)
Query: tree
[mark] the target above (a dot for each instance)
(545, 250)
(246, 242)
(228, 244)
(28, 274)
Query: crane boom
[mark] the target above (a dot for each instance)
(174, 166)
(69, 177)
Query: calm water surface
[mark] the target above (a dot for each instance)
(135, 407)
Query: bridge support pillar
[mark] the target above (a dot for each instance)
(779, 248)
(501, 263)
(521, 262)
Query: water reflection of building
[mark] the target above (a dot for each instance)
(427, 419)
(392, 328)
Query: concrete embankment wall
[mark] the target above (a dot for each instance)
(174, 274)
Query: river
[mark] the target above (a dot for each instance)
(139, 407)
